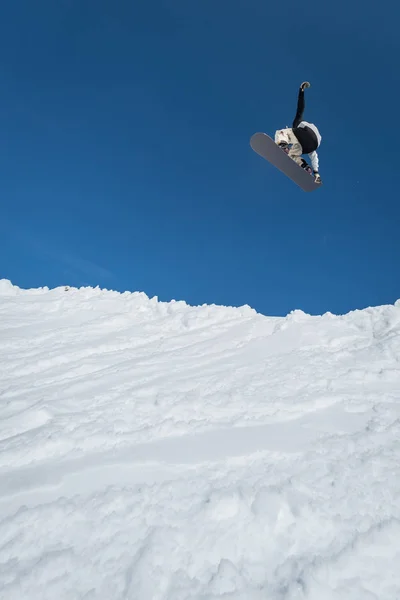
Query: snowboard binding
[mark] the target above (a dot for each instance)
(304, 165)
(285, 147)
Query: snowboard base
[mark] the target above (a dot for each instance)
(265, 146)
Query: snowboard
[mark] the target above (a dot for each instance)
(265, 146)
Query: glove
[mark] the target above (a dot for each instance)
(304, 85)
(317, 177)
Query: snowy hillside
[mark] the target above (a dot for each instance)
(157, 451)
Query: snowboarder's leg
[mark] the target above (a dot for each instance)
(287, 140)
(283, 136)
(296, 151)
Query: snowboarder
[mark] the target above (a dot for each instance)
(301, 138)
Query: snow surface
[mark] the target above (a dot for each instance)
(158, 451)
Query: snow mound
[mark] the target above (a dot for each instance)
(159, 451)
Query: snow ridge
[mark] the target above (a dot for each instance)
(155, 450)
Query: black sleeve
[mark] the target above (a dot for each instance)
(300, 109)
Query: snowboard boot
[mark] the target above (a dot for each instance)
(284, 146)
(304, 165)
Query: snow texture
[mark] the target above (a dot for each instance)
(159, 451)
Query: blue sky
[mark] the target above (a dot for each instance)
(125, 158)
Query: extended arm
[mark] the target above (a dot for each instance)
(300, 109)
(300, 104)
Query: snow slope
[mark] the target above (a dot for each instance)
(158, 451)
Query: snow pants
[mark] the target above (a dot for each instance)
(287, 135)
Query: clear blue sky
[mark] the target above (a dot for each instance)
(125, 158)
